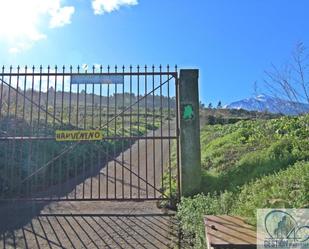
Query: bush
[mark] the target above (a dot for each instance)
(192, 210)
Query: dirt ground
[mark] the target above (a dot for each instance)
(101, 224)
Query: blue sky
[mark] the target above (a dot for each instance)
(230, 42)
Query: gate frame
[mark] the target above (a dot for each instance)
(138, 73)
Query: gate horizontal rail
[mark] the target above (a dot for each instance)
(174, 74)
(105, 138)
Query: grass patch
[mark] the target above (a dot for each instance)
(248, 165)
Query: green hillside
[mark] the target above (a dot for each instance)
(248, 165)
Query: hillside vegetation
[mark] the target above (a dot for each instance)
(248, 165)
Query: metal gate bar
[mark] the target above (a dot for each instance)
(138, 119)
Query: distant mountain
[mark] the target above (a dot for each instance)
(267, 103)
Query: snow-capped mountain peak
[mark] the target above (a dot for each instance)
(264, 103)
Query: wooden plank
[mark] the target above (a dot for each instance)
(224, 231)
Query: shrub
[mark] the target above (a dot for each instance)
(192, 210)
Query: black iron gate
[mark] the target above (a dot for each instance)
(103, 134)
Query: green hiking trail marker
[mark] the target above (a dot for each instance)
(188, 112)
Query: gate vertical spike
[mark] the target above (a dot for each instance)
(176, 68)
(18, 67)
(78, 68)
(101, 68)
(160, 67)
(63, 68)
(168, 67)
(48, 68)
(1, 93)
(153, 68)
(71, 68)
(145, 68)
(123, 68)
(115, 68)
(56, 68)
(93, 69)
(41, 67)
(108, 68)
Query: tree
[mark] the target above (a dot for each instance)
(211, 120)
(291, 82)
(210, 105)
(219, 106)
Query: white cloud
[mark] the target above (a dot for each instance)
(14, 50)
(97, 66)
(102, 6)
(21, 21)
(61, 17)
(19, 47)
(85, 67)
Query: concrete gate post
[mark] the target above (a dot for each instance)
(190, 152)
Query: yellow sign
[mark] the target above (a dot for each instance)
(78, 135)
